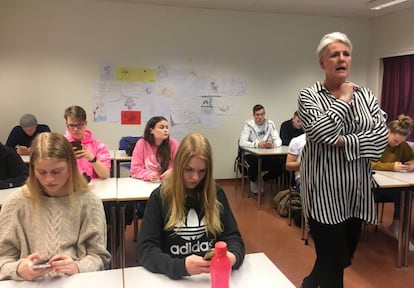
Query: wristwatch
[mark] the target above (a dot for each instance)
(93, 160)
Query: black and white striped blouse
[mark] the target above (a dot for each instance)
(336, 181)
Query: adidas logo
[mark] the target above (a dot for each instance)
(193, 229)
(188, 249)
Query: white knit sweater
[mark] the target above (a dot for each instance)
(75, 227)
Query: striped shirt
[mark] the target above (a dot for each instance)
(336, 181)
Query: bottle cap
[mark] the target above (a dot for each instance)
(220, 248)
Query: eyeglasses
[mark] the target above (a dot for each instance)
(73, 126)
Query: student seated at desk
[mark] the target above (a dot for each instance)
(398, 156)
(13, 171)
(186, 215)
(153, 155)
(260, 133)
(21, 137)
(93, 157)
(54, 217)
(293, 158)
(290, 129)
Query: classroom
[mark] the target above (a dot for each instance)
(52, 51)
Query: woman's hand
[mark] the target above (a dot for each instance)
(165, 174)
(25, 268)
(154, 177)
(400, 167)
(232, 258)
(196, 265)
(23, 150)
(347, 91)
(410, 164)
(64, 264)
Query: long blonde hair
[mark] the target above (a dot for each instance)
(55, 146)
(173, 190)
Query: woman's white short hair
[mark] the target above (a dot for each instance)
(331, 38)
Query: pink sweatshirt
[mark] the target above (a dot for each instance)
(144, 159)
(97, 148)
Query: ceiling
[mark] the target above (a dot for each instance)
(335, 8)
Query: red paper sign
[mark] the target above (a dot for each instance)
(130, 117)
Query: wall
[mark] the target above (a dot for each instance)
(51, 50)
(391, 35)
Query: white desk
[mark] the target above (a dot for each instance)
(4, 193)
(407, 177)
(101, 279)
(405, 181)
(256, 271)
(107, 191)
(260, 153)
(130, 189)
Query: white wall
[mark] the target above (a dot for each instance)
(391, 35)
(51, 50)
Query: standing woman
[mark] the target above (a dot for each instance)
(345, 130)
(54, 218)
(154, 154)
(187, 215)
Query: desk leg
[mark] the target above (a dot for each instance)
(122, 235)
(259, 180)
(112, 172)
(112, 223)
(242, 161)
(407, 224)
(118, 169)
(401, 234)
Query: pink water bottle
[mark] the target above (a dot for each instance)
(220, 266)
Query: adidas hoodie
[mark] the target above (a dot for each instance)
(161, 251)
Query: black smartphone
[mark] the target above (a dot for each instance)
(77, 145)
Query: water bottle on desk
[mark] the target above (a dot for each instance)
(220, 266)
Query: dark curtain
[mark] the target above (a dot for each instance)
(398, 87)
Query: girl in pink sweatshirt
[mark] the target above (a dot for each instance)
(153, 156)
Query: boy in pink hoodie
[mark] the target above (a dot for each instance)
(93, 157)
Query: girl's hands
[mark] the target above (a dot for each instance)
(64, 264)
(25, 268)
(196, 265)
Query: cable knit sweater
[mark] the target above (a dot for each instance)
(74, 227)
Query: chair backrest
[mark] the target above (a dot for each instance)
(124, 141)
(238, 161)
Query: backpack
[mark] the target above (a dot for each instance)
(281, 202)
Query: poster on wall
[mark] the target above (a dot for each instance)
(123, 91)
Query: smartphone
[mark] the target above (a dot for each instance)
(209, 254)
(41, 264)
(77, 145)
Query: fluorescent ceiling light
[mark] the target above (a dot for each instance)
(388, 4)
